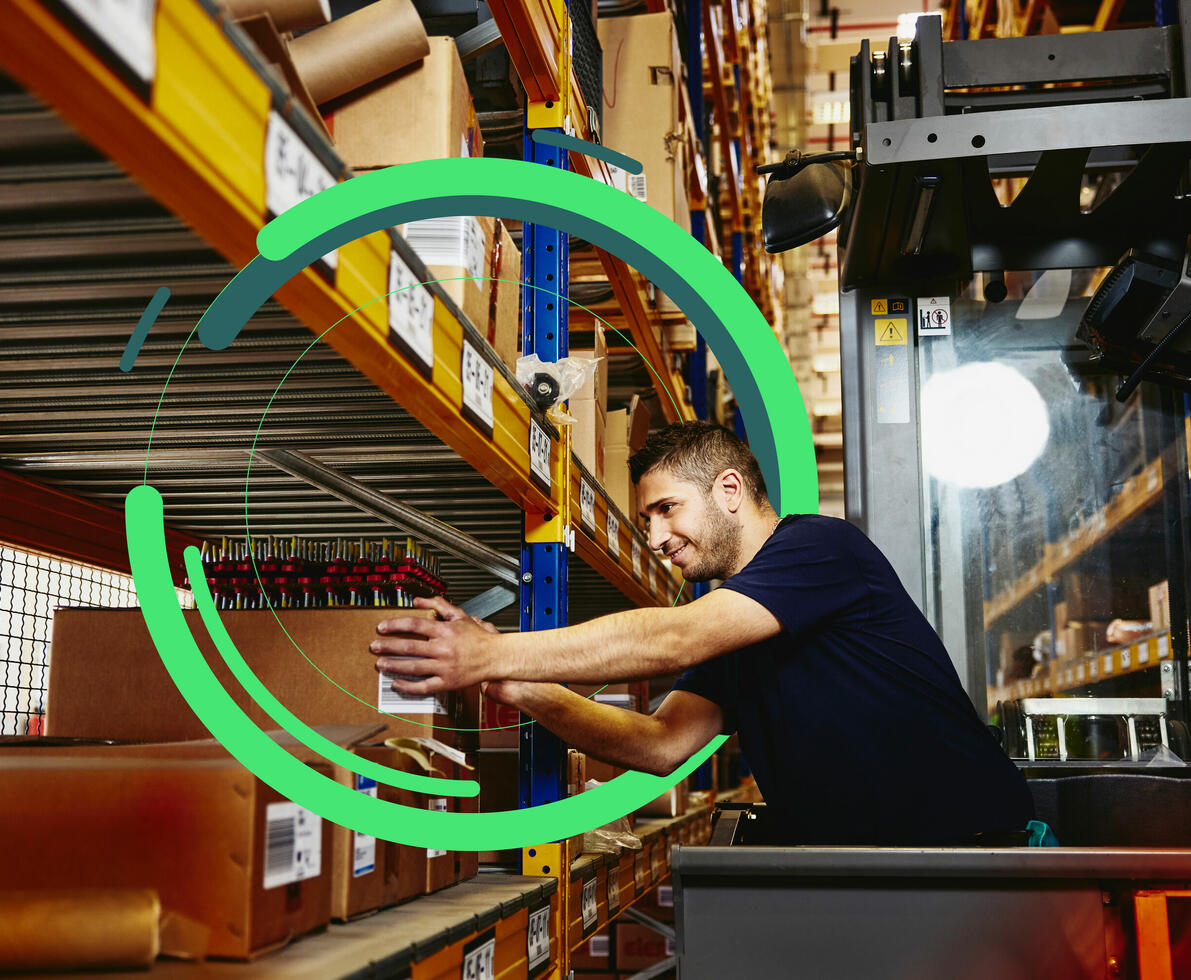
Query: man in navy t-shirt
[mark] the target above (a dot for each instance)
(849, 710)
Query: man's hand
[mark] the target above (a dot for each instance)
(452, 652)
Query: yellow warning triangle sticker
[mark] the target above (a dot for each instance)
(890, 333)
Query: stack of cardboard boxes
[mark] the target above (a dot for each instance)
(177, 814)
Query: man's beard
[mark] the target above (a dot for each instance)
(717, 549)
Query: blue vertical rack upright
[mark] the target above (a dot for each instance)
(545, 253)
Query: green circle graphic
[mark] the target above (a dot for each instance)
(717, 305)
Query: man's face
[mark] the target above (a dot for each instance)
(689, 526)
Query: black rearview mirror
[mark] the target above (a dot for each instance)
(804, 207)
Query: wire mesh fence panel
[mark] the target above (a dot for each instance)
(32, 586)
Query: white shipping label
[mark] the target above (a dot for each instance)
(613, 894)
(613, 528)
(126, 27)
(934, 316)
(636, 557)
(364, 846)
(477, 377)
(292, 172)
(395, 703)
(293, 844)
(587, 505)
(480, 963)
(539, 452)
(537, 942)
(587, 903)
(453, 241)
(411, 310)
(635, 184)
(436, 806)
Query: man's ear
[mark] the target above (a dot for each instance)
(731, 487)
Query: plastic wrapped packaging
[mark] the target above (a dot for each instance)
(610, 838)
(550, 383)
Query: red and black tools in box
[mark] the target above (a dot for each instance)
(256, 573)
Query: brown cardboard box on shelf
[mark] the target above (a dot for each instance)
(1079, 639)
(500, 725)
(220, 847)
(642, 64)
(1160, 606)
(1061, 616)
(596, 387)
(588, 434)
(423, 112)
(442, 868)
(639, 947)
(107, 679)
(497, 772)
(595, 953)
(1089, 597)
(355, 862)
(626, 433)
(670, 804)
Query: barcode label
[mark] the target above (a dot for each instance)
(599, 945)
(537, 942)
(292, 172)
(587, 904)
(587, 505)
(650, 577)
(636, 186)
(539, 452)
(436, 806)
(641, 869)
(1143, 652)
(1163, 647)
(657, 862)
(477, 378)
(395, 703)
(126, 27)
(1107, 664)
(411, 313)
(670, 947)
(636, 557)
(1152, 480)
(479, 960)
(613, 528)
(666, 896)
(613, 895)
(1126, 659)
(457, 242)
(293, 844)
(364, 846)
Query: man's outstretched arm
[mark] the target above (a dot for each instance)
(622, 646)
(657, 743)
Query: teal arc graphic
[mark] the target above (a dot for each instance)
(744, 343)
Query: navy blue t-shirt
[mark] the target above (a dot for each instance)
(853, 719)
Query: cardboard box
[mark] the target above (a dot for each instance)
(1062, 617)
(331, 681)
(1088, 597)
(588, 435)
(596, 387)
(1160, 606)
(671, 803)
(206, 834)
(681, 336)
(423, 112)
(497, 772)
(595, 953)
(638, 946)
(500, 725)
(642, 73)
(626, 432)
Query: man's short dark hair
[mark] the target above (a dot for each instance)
(698, 452)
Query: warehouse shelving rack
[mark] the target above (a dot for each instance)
(194, 139)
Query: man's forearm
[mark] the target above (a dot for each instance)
(622, 646)
(623, 738)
